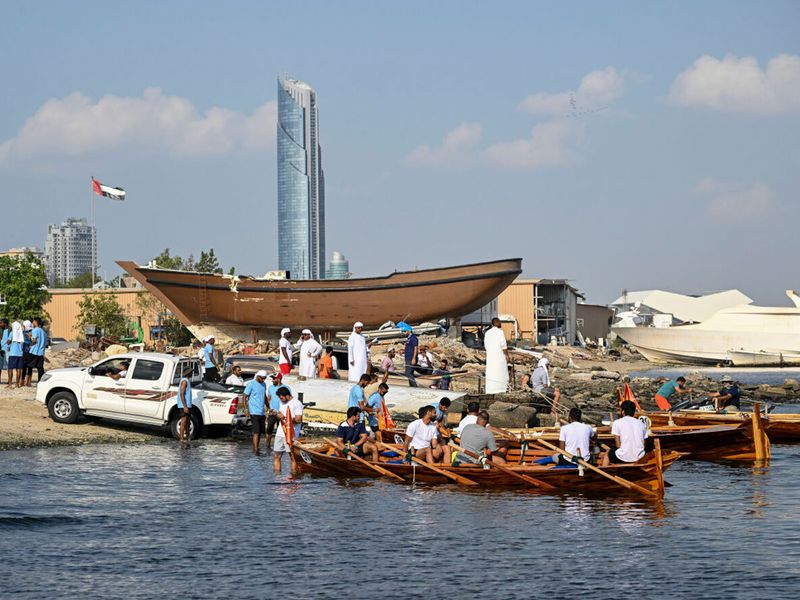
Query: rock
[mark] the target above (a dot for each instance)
(792, 384)
(770, 392)
(115, 349)
(606, 375)
(580, 376)
(506, 414)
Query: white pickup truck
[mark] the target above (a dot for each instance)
(145, 393)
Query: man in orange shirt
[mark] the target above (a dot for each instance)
(326, 367)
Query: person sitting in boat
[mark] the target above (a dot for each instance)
(668, 390)
(539, 381)
(422, 438)
(728, 396)
(629, 434)
(478, 439)
(441, 420)
(375, 408)
(351, 436)
(473, 408)
(575, 438)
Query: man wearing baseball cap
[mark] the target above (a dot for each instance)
(255, 394)
(285, 351)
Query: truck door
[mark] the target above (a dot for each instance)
(101, 391)
(145, 392)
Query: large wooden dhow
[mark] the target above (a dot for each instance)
(644, 477)
(243, 307)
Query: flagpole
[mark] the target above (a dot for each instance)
(94, 237)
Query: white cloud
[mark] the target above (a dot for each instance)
(740, 85)
(77, 126)
(732, 203)
(597, 90)
(551, 144)
(456, 149)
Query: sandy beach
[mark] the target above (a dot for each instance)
(25, 423)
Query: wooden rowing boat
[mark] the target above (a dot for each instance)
(318, 459)
(781, 428)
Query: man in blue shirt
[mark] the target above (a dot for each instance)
(728, 395)
(274, 405)
(255, 395)
(375, 407)
(411, 351)
(4, 349)
(351, 436)
(356, 397)
(212, 365)
(36, 358)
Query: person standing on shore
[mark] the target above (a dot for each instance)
(6, 332)
(310, 350)
(27, 369)
(285, 351)
(16, 343)
(357, 354)
(212, 363)
(255, 394)
(185, 403)
(410, 353)
(38, 345)
(494, 342)
(327, 366)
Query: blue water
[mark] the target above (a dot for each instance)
(213, 521)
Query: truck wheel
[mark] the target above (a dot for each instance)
(195, 426)
(63, 408)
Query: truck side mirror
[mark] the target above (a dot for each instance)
(90, 370)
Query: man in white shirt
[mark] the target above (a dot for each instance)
(285, 351)
(310, 349)
(576, 438)
(290, 416)
(235, 378)
(629, 434)
(422, 438)
(470, 418)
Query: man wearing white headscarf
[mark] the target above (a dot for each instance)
(494, 342)
(310, 349)
(16, 343)
(357, 359)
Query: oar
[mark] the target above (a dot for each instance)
(526, 478)
(457, 478)
(380, 470)
(619, 480)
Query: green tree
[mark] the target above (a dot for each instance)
(166, 261)
(176, 333)
(23, 286)
(104, 311)
(208, 262)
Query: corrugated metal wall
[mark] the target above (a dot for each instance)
(63, 310)
(518, 300)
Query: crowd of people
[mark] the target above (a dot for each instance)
(22, 351)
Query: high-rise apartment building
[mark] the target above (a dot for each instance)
(70, 250)
(301, 182)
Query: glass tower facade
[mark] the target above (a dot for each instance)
(301, 182)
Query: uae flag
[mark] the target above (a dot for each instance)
(107, 191)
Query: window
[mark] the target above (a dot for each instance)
(195, 375)
(148, 370)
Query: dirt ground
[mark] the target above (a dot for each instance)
(24, 423)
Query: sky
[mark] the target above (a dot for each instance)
(621, 145)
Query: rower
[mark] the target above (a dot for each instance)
(575, 438)
(470, 418)
(669, 389)
(422, 440)
(727, 396)
(374, 408)
(477, 438)
(351, 436)
(629, 434)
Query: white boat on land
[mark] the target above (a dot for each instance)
(330, 398)
(763, 358)
(745, 329)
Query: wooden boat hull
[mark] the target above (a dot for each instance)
(781, 428)
(250, 306)
(313, 459)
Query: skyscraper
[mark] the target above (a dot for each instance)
(339, 267)
(301, 182)
(69, 250)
